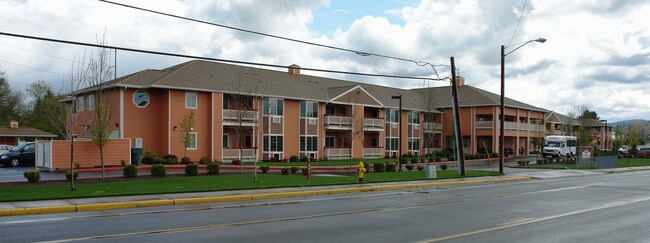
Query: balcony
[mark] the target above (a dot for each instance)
(373, 152)
(235, 117)
(431, 127)
(338, 122)
(246, 154)
(484, 124)
(373, 124)
(337, 153)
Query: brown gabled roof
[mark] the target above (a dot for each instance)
(24, 132)
(470, 96)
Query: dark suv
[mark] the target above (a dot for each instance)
(20, 155)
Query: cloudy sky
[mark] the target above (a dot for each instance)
(597, 53)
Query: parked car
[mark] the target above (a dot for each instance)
(20, 155)
(5, 148)
(644, 153)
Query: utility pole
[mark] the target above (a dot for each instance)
(459, 137)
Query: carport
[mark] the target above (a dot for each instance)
(14, 135)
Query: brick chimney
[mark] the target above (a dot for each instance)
(13, 124)
(460, 81)
(294, 69)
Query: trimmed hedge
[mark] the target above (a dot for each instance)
(444, 166)
(390, 167)
(158, 170)
(409, 167)
(32, 175)
(204, 160)
(213, 168)
(264, 168)
(130, 171)
(293, 169)
(294, 158)
(170, 159)
(148, 160)
(379, 167)
(285, 171)
(68, 175)
(192, 170)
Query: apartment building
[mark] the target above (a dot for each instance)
(597, 132)
(262, 114)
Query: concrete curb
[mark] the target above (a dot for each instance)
(629, 170)
(244, 197)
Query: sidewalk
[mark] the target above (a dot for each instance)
(122, 202)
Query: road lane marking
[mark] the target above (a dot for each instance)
(515, 224)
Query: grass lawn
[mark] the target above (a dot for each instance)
(632, 162)
(207, 183)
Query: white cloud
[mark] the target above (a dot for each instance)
(597, 53)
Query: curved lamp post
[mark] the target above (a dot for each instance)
(503, 106)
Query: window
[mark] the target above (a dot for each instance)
(330, 142)
(140, 98)
(308, 109)
(391, 115)
(413, 144)
(413, 117)
(190, 100)
(374, 142)
(392, 143)
(192, 143)
(308, 143)
(226, 141)
(226, 102)
(91, 102)
(80, 103)
(273, 106)
(272, 143)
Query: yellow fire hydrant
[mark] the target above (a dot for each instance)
(362, 169)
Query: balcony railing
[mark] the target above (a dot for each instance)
(373, 152)
(246, 154)
(511, 125)
(373, 123)
(237, 114)
(344, 122)
(338, 153)
(431, 126)
(484, 124)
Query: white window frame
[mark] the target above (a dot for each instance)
(195, 140)
(80, 103)
(148, 99)
(196, 100)
(227, 141)
(333, 141)
(90, 105)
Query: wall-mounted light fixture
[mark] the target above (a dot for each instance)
(117, 125)
(174, 128)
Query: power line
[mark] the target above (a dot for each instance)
(361, 53)
(214, 59)
(45, 54)
(518, 21)
(38, 69)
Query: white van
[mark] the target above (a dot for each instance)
(556, 146)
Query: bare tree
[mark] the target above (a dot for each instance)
(429, 115)
(356, 125)
(186, 126)
(97, 72)
(576, 113)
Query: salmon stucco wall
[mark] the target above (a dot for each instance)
(87, 153)
(202, 124)
(291, 128)
(148, 122)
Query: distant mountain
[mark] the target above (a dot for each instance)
(626, 123)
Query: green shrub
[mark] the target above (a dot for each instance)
(437, 159)
(130, 171)
(293, 169)
(420, 168)
(32, 175)
(303, 159)
(150, 153)
(451, 158)
(68, 175)
(414, 160)
(304, 171)
(367, 166)
(158, 161)
(522, 162)
(285, 171)
(404, 161)
(123, 162)
(409, 167)
(294, 158)
(158, 170)
(170, 159)
(379, 167)
(540, 161)
(192, 170)
(204, 160)
(432, 159)
(213, 168)
(444, 166)
(186, 160)
(148, 160)
(390, 167)
(264, 168)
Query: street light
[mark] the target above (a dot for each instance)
(606, 133)
(399, 139)
(503, 105)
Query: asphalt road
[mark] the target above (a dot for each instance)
(596, 208)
